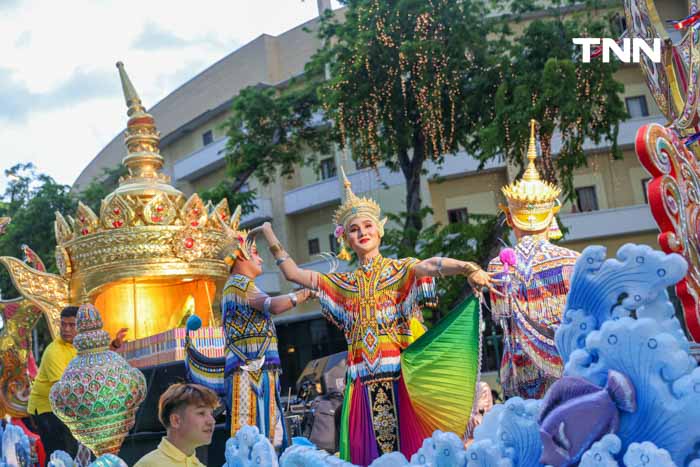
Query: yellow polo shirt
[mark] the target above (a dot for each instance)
(167, 455)
(54, 362)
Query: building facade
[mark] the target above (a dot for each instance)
(611, 208)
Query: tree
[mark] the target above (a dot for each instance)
(31, 200)
(270, 131)
(541, 78)
(408, 81)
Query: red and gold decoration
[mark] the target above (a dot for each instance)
(150, 258)
(99, 393)
(147, 251)
(17, 319)
(670, 153)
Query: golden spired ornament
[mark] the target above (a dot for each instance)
(99, 393)
(144, 255)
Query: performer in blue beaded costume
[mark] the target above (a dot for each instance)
(247, 378)
(535, 281)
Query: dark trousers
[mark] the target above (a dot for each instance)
(54, 434)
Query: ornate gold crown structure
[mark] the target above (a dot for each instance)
(147, 233)
(354, 206)
(532, 202)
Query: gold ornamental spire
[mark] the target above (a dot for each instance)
(143, 157)
(531, 173)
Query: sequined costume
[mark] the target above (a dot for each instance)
(247, 378)
(535, 295)
(399, 391)
(536, 277)
(373, 306)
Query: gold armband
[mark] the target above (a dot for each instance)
(276, 249)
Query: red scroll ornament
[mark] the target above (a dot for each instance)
(674, 199)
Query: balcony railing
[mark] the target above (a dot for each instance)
(201, 162)
(625, 137)
(608, 222)
(262, 213)
(325, 192)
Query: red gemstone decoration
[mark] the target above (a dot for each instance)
(159, 208)
(82, 219)
(85, 231)
(194, 223)
(117, 224)
(156, 218)
(117, 211)
(189, 243)
(196, 211)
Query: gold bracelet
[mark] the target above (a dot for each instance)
(275, 249)
(470, 268)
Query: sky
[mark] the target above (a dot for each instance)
(60, 96)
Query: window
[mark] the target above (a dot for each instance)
(335, 248)
(328, 169)
(637, 106)
(645, 189)
(207, 137)
(314, 246)
(455, 216)
(586, 199)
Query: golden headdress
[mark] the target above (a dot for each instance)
(235, 240)
(354, 206)
(532, 202)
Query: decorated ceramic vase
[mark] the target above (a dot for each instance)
(99, 393)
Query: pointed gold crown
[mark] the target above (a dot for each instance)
(146, 227)
(235, 239)
(532, 202)
(354, 206)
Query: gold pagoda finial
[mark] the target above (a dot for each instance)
(133, 101)
(347, 186)
(531, 173)
(143, 157)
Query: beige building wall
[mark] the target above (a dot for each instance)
(479, 193)
(274, 60)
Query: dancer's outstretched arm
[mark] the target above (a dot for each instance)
(276, 305)
(290, 270)
(443, 267)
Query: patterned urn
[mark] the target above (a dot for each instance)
(99, 393)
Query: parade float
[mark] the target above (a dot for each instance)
(147, 262)
(630, 390)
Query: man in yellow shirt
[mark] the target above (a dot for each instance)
(53, 432)
(186, 412)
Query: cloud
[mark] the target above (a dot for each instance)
(8, 4)
(153, 37)
(18, 101)
(24, 39)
